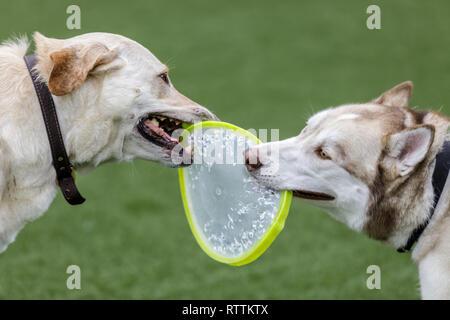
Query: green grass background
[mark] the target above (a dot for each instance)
(257, 64)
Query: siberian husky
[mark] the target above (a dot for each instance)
(114, 101)
(370, 166)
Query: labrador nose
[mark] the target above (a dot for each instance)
(252, 160)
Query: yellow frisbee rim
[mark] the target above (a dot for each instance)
(272, 231)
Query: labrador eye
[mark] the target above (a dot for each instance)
(164, 77)
(322, 154)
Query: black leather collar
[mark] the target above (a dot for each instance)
(61, 163)
(440, 175)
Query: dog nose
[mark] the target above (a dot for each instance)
(251, 160)
(205, 114)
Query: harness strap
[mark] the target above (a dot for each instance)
(440, 174)
(61, 162)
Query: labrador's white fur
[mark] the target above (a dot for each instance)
(112, 82)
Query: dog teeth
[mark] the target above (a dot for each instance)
(174, 121)
(156, 120)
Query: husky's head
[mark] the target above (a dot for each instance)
(114, 99)
(354, 161)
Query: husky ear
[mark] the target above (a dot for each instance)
(409, 147)
(398, 96)
(71, 65)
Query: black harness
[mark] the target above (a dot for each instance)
(61, 163)
(440, 175)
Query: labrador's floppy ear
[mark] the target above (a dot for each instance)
(398, 96)
(71, 65)
(407, 148)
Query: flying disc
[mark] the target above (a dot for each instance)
(232, 216)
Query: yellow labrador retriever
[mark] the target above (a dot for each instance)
(114, 101)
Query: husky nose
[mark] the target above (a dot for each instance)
(251, 160)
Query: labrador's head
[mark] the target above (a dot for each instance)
(114, 99)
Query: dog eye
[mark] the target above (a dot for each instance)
(165, 77)
(322, 154)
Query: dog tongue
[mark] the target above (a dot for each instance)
(160, 132)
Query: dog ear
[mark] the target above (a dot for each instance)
(406, 149)
(398, 96)
(71, 65)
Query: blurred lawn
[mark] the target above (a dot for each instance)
(258, 64)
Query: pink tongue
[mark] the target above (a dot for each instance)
(160, 132)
